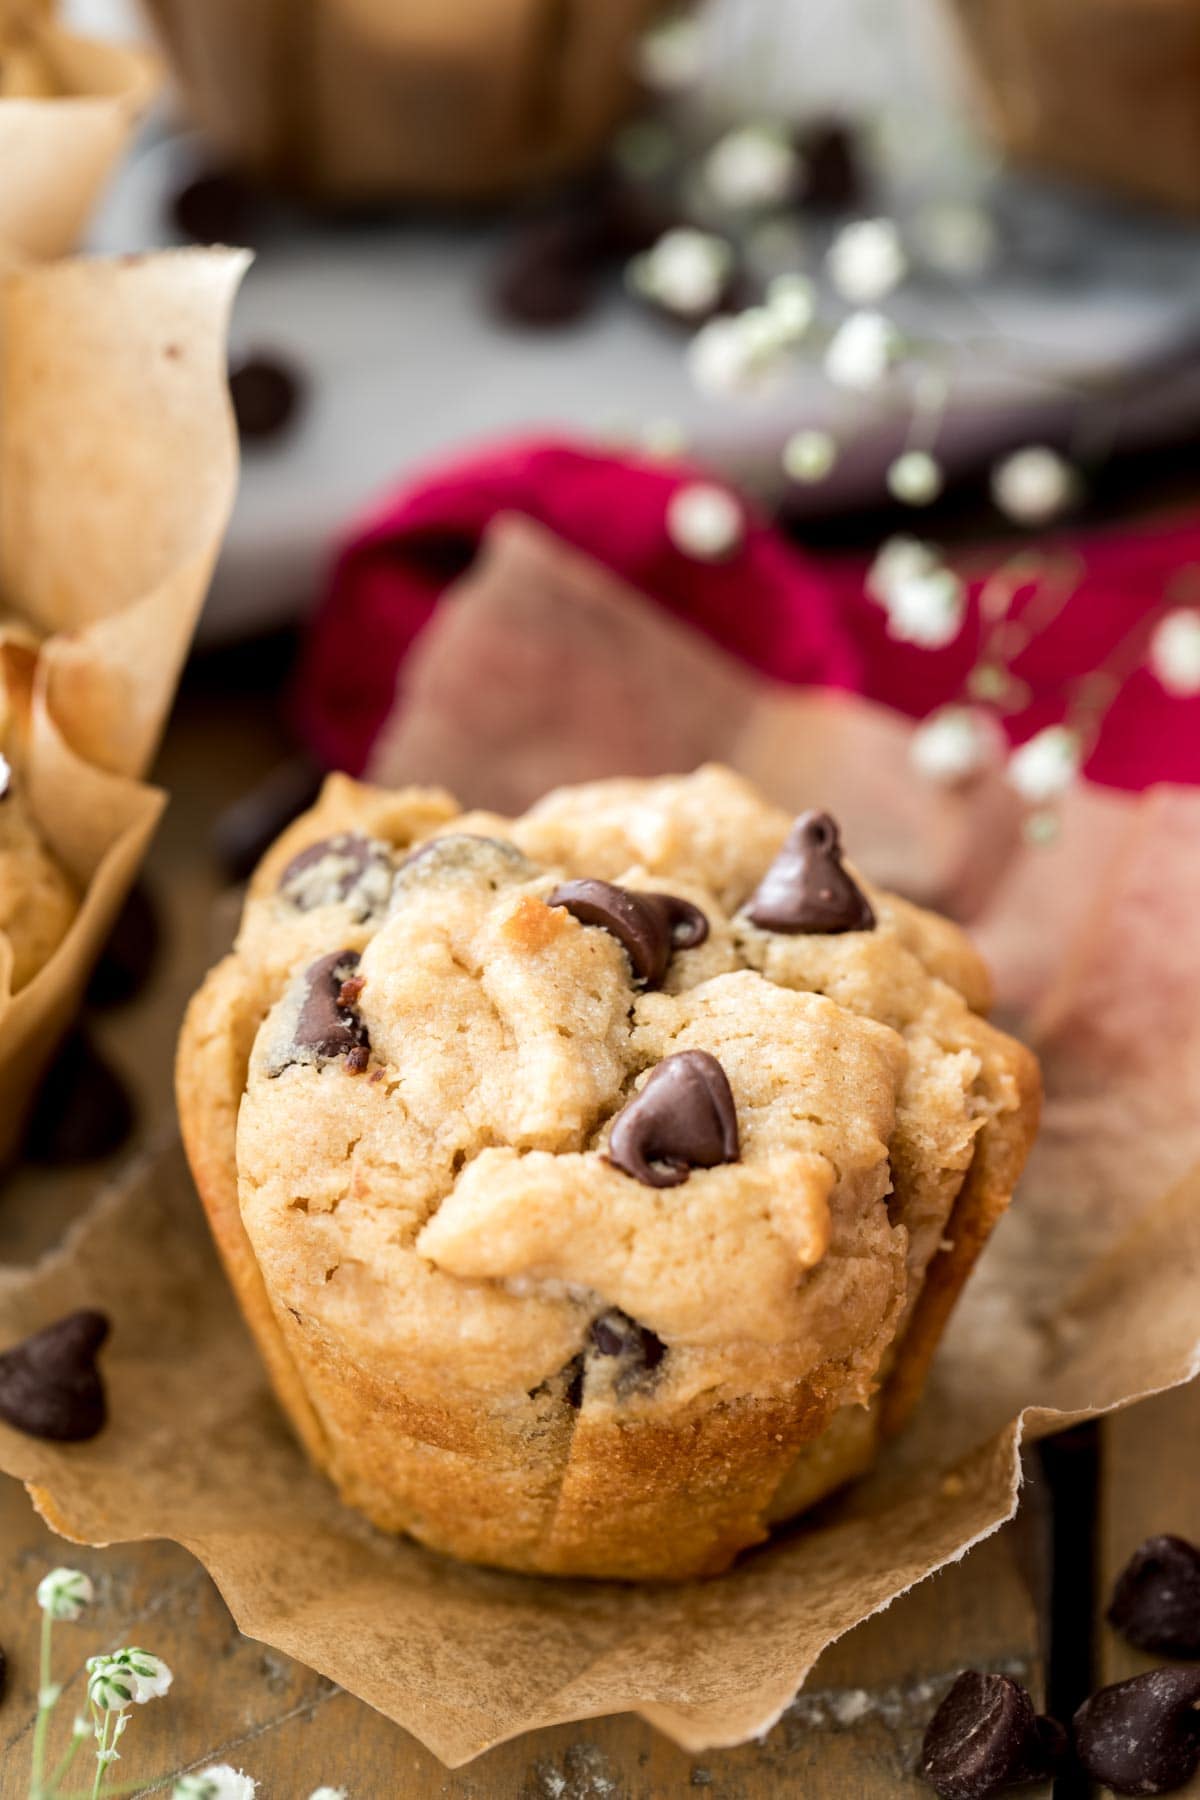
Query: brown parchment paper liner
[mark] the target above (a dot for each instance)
(68, 106)
(1086, 1298)
(117, 471)
(361, 100)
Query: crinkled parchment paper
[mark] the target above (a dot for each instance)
(118, 465)
(1085, 1300)
(68, 106)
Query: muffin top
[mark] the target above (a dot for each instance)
(646, 1093)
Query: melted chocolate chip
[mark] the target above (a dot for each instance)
(345, 867)
(615, 1334)
(82, 1111)
(460, 856)
(266, 393)
(325, 1027)
(806, 889)
(985, 1737)
(648, 927)
(1156, 1601)
(683, 1119)
(1142, 1736)
(50, 1386)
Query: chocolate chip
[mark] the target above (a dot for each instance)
(547, 273)
(266, 394)
(985, 1737)
(461, 858)
(1142, 1736)
(214, 207)
(345, 868)
(3, 1672)
(1156, 1601)
(324, 1027)
(806, 889)
(648, 927)
(128, 958)
(50, 1386)
(82, 1111)
(683, 1119)
(615, 1334)
(245, 831)
(832, 179)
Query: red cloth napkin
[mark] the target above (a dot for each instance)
(794, 617)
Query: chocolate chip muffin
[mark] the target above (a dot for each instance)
(597, 1183)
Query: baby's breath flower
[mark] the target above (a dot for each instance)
(328, 1793)
(704, 521)
(220, 1781)
(809, 455)
(1034, 485)
(915, 478)
(927, 609)
(866, 261)
(956, 236)
(752, 167)
(897, 558)
(953, 744)
(1175, 652)
(671, 56)
(792, 303)
(742, 354)
(1046, 765)
(861, 351)
(685, 271)
(128, 1677)
(64, 1593)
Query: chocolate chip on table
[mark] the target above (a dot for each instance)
(985, 1738)
(1156, 1600)
(547, 275)
(50, 1386)
(216, 206)
(345, 867)
(128, 958)
(648, 927)
(615, 1334)
(832, 179)
(1142, 1736)
(327, 1027)
(82, 1111)
(245, 831)
(683, 1119)
(806, 889)
(3, 1671)
(266, 393)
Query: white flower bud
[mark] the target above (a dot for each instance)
(792, 303)
(685, 271)
(64, 1593)
(927, 609)
(915, 478)
(752, 167)
(128, 1677)
(861, 352)
(1046, 765)
(866, 261)
(705, 521)
(328, 1793)
(809, 455)
(1033, 486)
(220, 1781)
(1175, 652)
(897, 558)
(953, 744)
(670, 57)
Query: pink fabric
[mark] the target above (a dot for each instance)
(797, 618)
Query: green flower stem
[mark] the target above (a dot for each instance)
(43, 1711)
(63, 1765)
(102, 1741)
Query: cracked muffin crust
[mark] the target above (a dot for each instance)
(597, 1183)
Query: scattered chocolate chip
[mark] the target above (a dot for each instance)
(346, 868)
(1156, 1601)
(266, 394)
(633, 216)
(324, 1028)
(82, 1111)
(683, 1119)
(245, 831)
(214, 207)
(832, 179)
(648, 927)
(806, 888)
(1142, 1736)
(615, 1334)
(461, 857)
(128, 958)
(50, 1386)
(3, 1672)
(547, 275)
(985, 1737)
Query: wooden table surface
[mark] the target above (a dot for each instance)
(1029, 1600)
